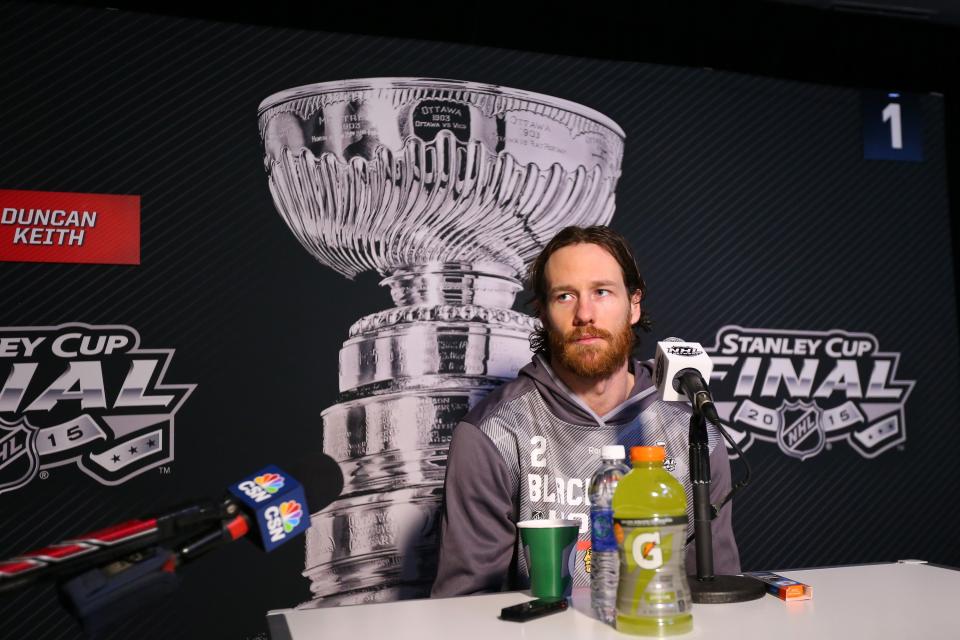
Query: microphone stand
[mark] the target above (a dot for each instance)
(705, 587)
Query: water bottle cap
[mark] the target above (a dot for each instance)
(647, 454)
(613, 452)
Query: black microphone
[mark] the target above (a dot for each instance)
(268, 506)
(691, 382)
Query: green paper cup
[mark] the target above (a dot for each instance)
(548, 546)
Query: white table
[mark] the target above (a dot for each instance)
(904, 600)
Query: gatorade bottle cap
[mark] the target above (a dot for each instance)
(647, 454)
(613, 452)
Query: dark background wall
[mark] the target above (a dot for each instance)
(910, 45)
(120, 102)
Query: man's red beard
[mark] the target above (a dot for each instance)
(597, 360)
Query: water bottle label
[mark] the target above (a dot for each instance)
(653, 580)
(601, 530)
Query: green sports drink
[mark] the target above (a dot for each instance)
(650, 524)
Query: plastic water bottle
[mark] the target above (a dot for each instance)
(604, 557)
(650, 524)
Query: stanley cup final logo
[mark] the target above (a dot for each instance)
(806, 390)
(448, 190)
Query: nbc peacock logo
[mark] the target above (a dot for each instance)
(290, 513)
(270, 482)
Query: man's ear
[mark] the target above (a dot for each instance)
(542, 317)
(635, 311)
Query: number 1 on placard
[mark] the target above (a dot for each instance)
(891, 114)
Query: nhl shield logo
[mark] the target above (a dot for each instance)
(19, 461)
(801, 432)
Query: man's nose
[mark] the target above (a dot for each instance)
(584, 312)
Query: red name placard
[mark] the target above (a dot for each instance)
(53, 226)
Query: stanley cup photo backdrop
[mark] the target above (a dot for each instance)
(448, 189)
(224, 247)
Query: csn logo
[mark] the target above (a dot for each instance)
(262, 487)
(83, 395)
(805, 389)
(282, 520)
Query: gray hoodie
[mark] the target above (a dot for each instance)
(528, 451)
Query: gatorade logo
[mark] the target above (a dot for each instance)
(646, 550)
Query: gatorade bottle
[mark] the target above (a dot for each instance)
(650, 524)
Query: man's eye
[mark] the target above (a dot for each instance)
(603, 292)
(563, 297)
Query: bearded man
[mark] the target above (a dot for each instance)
(527, 451)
